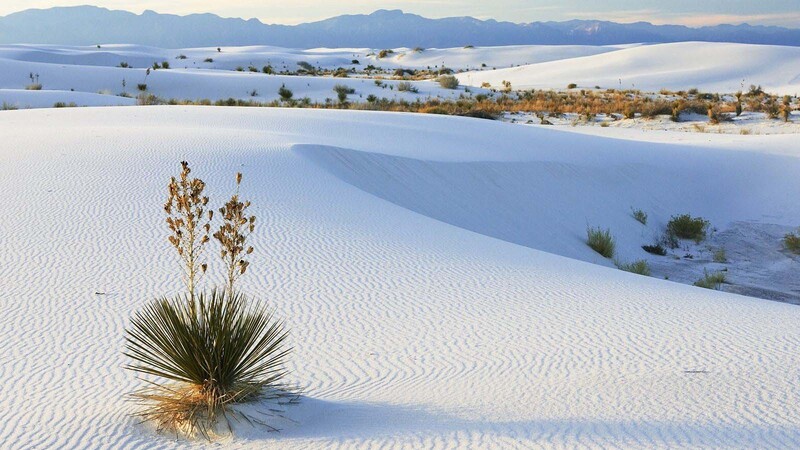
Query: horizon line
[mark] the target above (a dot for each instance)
(620, 22)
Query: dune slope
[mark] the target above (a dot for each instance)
(408, 331)
(710, 67)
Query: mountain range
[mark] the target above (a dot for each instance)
(89, 25)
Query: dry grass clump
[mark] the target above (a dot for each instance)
(405, 86)
(600, 241)
(711, 280)
(792, 242)
(448, 81)
(639, 215)
(205, 351)
(640, 267)
(685, 226)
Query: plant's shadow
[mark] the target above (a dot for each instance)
(341, 421)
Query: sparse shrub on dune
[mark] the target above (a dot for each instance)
(342, 91)
(285, 93)
(685, 226)
(34, 84)
(639, 215)
(448, 81)
(145, 99)
(8, 107)
(205, 352)
(792, 242)
(601, 241)
(655, 249)
(640, 267)
(711, 280)
(405, 86)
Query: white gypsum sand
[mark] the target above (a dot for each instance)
(708, 66)
(435, 319)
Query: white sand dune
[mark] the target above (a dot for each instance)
(716, 67)
(198, 84)
(418, 320)
(471, 58)
(712, 67)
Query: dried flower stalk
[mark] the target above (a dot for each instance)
(189, 224)
(232, 235)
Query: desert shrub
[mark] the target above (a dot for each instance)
(267, 70)
(285, 93)
(655, 249)
(640, 267)
(142, 87)
(715, 116)
(124, 65)
(254, 93)
(479, 114)
(448, 81)
(685, 226)
(208, 60)
(239, 69)
(720, 255)
(639, 215)
(711, 280)
(253, 69)
(572, 86)
(342, 91)
(355, 62)
(8, 107)
(306, 66)
(792, 242)
(651, 110)
(64, 105)
(405, 86)
(181, 57)
(600, 241)
(145, 99)
(371, 98)
(384, 53)
(33, 87)
(165, 65)
(212, 351)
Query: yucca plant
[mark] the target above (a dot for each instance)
(211, 352)
(204, 352)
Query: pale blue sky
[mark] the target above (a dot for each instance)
(686, 12)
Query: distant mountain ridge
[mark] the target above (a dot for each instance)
(88, 25)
